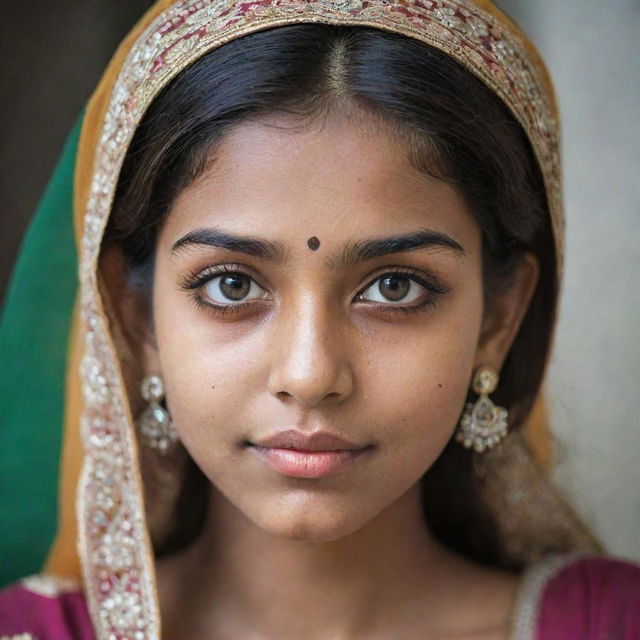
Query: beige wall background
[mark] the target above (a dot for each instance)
(591, 48)
(52, 55)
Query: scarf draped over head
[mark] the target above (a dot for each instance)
(103, 531)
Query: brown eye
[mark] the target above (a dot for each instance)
(231, 287)
(394, 288)
(235, 287)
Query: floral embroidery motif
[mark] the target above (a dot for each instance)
(115, 547)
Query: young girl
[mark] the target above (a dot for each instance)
(320, 245)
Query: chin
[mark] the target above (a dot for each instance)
(300, 524)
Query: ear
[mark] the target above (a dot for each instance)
(132, 304)
(505, 313)
(150, 358)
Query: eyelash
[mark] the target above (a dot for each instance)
(195, 281)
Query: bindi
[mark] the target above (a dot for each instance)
(313, 243)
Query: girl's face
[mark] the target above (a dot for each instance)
(347, 299)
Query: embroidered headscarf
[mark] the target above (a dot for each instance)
(104, 533)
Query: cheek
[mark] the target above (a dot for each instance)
(200, 373)
(419, 396)
(212, 375)
(417, 384)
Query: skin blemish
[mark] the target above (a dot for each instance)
(313, 243)
(440, 384)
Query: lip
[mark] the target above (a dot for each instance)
(308, 455)
(308, 464)
(316, 441)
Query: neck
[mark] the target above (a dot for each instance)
(238, 580)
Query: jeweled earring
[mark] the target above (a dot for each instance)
(483, 425)
(155, 425)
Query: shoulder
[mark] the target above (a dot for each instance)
(586, 597)
(44, 607)
(598, 597)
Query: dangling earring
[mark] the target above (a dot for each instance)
(155, 425)
(483, 425)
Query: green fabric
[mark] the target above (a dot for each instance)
(34, 329)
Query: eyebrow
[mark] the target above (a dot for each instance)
(272, 251)
(352, 252)
(355, 252)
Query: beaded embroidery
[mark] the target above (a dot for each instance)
(114, 542)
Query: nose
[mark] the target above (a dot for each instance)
(310, 362)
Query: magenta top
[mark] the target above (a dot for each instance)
(560, 598)
(594, 599)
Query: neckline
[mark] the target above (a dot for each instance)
(525, 610)
(529, 593)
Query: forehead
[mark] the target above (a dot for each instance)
(332, 179)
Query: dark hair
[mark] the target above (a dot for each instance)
(456, 129)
